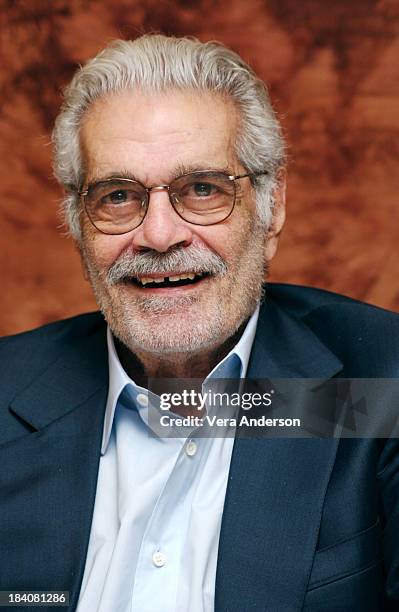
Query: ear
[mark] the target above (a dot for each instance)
(277, 222)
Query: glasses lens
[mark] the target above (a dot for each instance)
(116, 207)
(203, 198)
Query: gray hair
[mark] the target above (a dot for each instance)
(156, 63)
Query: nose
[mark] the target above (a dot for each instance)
(162, 227)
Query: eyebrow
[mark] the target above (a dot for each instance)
(201, 167)
(115, 174)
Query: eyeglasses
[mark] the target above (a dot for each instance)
(119, 205)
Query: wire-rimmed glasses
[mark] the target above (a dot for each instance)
(119, 205)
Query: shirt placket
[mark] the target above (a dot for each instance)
(162, 550)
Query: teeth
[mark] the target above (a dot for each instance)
(147, 279)
(190, 276)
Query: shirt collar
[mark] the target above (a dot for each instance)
(118, 379)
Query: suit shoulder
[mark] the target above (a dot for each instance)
(25, 354)
(301, 301)
(364, 337)
(65, 330)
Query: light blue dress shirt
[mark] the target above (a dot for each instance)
(159, 502)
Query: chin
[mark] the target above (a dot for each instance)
(167, 334)
(171, 330)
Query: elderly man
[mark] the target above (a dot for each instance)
(173, 164)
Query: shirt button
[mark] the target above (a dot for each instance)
(191, 448)
(142, 399)
(158, 559)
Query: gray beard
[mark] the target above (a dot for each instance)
(152, 323)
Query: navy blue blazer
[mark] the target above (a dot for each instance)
(308, 524)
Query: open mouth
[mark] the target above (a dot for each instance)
(163, 282)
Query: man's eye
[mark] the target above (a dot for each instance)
(116, 197)
(203, 189)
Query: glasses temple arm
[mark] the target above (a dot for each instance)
(250, 175)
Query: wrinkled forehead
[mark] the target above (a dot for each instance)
(152, 134)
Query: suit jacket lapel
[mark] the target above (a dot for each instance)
(52, 471)
(284, 347)
(80, 370)
(276, 487)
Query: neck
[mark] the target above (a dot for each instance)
(141, 366)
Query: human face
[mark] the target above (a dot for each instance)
(154, 138)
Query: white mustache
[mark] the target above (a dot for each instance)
(177, 260)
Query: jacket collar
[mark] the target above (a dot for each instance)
(284, 347)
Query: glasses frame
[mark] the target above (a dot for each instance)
(166, 187)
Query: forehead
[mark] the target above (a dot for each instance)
(150, 135)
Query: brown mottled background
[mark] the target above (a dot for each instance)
(332, 69)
